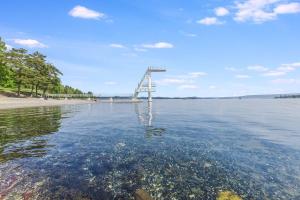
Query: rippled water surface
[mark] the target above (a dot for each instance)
(171, 149)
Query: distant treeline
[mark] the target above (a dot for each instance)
(288, 96)
(21, 70)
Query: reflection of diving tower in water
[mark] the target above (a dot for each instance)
(146, 85)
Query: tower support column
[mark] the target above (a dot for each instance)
(149, 87)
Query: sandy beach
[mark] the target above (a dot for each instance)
(11, 102)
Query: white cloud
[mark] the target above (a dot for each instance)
(286, 68)
(290, 66)
(287, 8)
(282, 69)
(242, 76)
(275, 73)
(212, 87)
(114, 45)
(221, 11)
(185, 79)
(257, 68)
(260, 11)
(286, 81)
(85, 13)
(197, 74)
(209, 21)
(188, 86)
(158, 45)
(254, 10)
(29, 43)
(110, 83)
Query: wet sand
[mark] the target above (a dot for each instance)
(11, 102)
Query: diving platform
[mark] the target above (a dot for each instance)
(146, 85)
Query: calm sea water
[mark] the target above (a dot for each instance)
(172, 149)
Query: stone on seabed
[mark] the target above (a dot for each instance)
(228, 195)
(141, 194)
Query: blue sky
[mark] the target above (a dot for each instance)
(210, 48)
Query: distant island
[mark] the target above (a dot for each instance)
(262, 96)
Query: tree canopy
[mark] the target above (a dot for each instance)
(31, 71)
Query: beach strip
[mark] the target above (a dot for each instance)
(11, 102)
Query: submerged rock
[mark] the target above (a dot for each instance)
(120, 145)
(141, 194)
(228, 195)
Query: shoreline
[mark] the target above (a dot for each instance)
(13, 102)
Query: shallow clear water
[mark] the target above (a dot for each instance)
(172, 149)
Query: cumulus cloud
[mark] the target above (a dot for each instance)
(242, 76)
(282, 69)
(287, 8)
(254, 10)
(286, 68)
(158, 45)
(257, 68)
(209, 21)
(260, 11)
(85, 13)
(295, 65)
(114, 45)
(221, 11)
(188, 86)
(31, 43)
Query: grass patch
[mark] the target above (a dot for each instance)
(12, 92)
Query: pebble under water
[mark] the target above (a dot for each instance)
(171, 149)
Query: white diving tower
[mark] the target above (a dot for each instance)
(146, 85)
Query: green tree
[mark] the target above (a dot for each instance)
(36, 63)
(30, 71)
(3, 66)
(17, 61)
(50, 77)
(5, 73)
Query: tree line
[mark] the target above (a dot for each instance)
(31, 71)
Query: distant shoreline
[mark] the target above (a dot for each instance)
(24, 102)
(12, 102)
